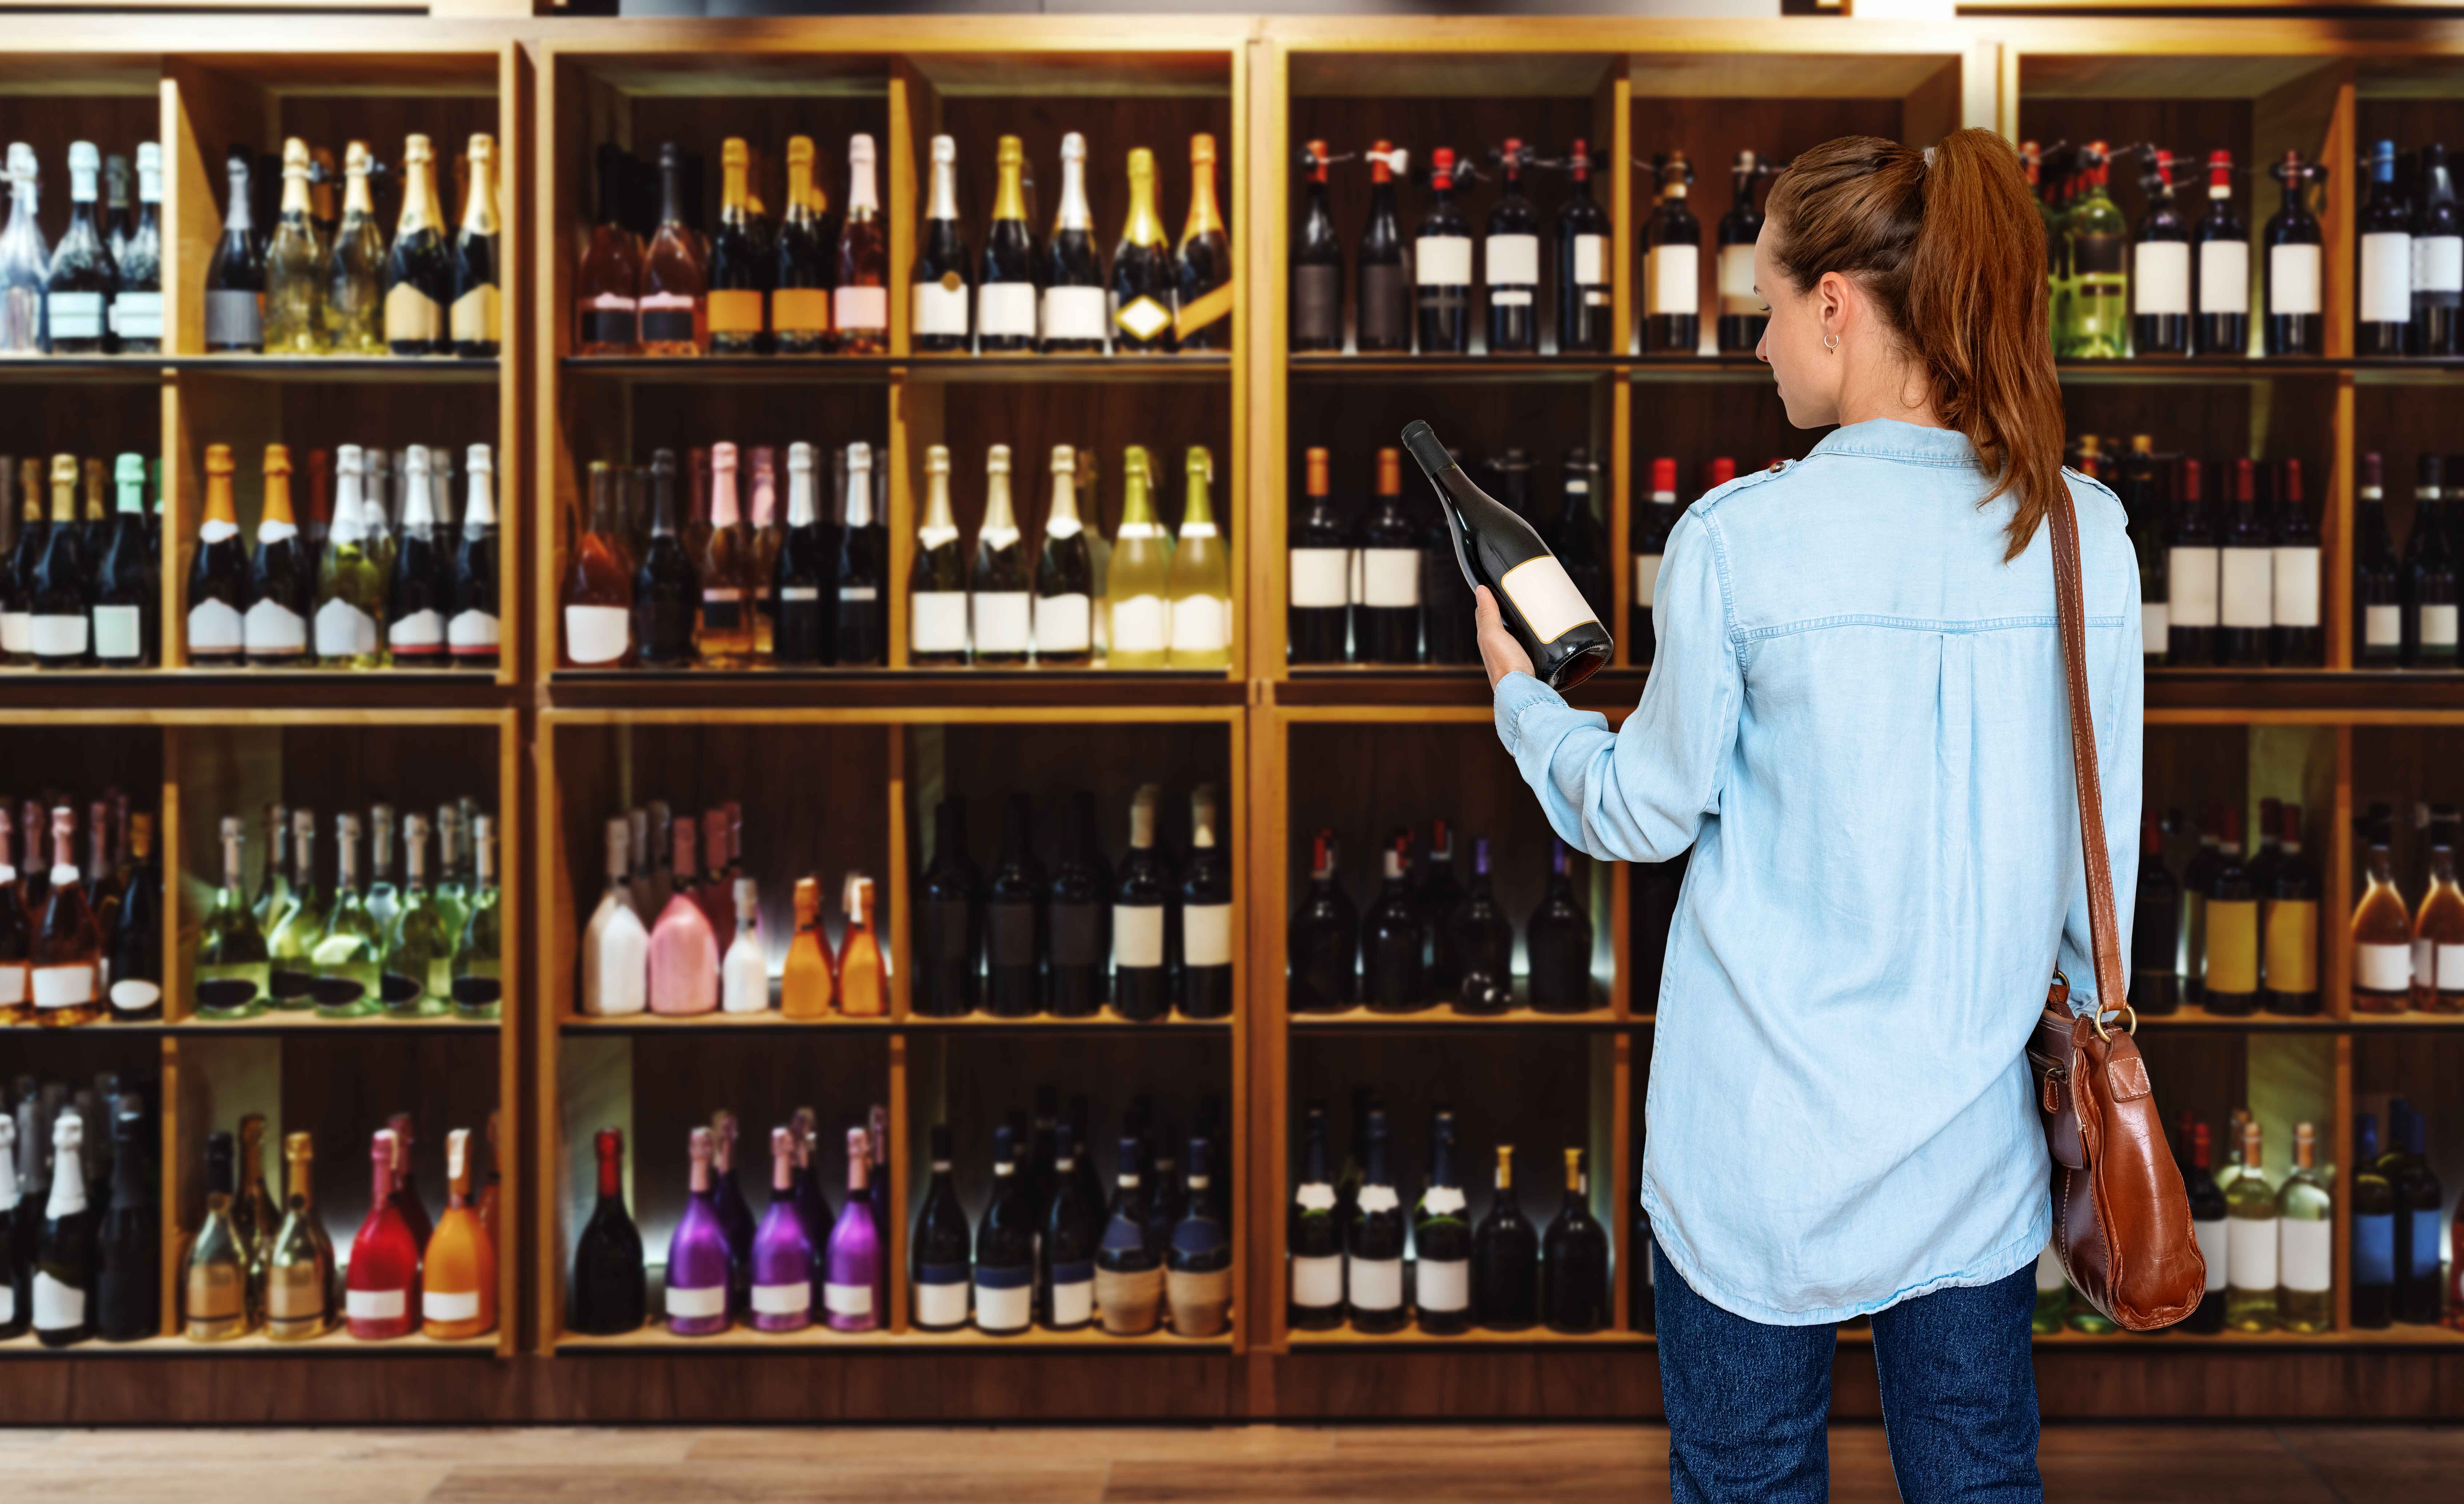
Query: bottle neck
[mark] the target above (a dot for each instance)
(862, 205)
(940, 524)
(1073, 213)
(1145, 224)
(1204, 218)
(1009, 192)
(859, 493)
(801, 511)
(999, 528)
(941, 202)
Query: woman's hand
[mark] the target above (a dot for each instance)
(1499, 652)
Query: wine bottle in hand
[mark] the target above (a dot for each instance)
(1543, 608)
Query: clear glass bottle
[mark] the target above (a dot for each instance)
(235, 277)
(350, 588)
(355, 267)
(1138, 590)
(25, 258)
(291, 947)
(419, 946)
(1199, 595)
(84, 278)
(2250, 1241)
(2305, 1212)
(297, 277)
(232, 960)
(479, 987)
(2382, 928)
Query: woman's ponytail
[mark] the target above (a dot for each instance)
(1949, 244)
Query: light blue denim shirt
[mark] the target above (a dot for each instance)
(1856, 719)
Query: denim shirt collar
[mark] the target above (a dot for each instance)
(1889, 438)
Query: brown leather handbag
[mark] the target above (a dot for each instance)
(2122, 1220)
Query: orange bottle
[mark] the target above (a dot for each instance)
(458, 1282)
(809, 987)
(863, 968)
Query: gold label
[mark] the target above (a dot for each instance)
(796, 309)
(735, 311)
(475, 316)
(1545, 593)
(1128, 1302)
(1207, 310)
(1202, 1303)
(952, 282)
(294, 1293)
(2233, 945)
(217, 1291)
(2293, 947)
(410, 314)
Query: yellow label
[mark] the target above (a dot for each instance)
(735, 311)
(799, 311)
(295, 1292)
(475, 319)
(1207, 310)
(410, 314)
(2293, 946)
(217, 1291)
(2233, 945)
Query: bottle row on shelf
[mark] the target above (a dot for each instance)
(81, 1252)
(2238, 931)
(79, 945)
(2407, 957)
(2231, 579)
(1348, 1234)
(81, 589)
(433, 948)
(101, 289)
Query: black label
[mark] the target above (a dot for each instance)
(1317, 303)
(1009, 934)
(477, 991)
(668, 326)
(335, 991)
(398, 991)
(2099, 255)
(609, 326)
(1075, 930)
(226, 992)
(1385, 307)
(289, 987)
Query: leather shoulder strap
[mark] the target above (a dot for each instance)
(2072, 612)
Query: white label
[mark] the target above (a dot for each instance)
(1389, 577)
(2160, 276)
(2437, 626)
(2305, 1252)
(939, 621)
(2438, 264)
(471, 629)
(1319, 1283)
(1591, 260)
(1073, 1302)
(793, 1298)
(1000, 620)
(595, 634)
(7, 1302)
(2049, 1270)
(1541, 591)
(861, 309)
(376, 1305)
(690, 1303)
(2382, 968)
(273, 627)
(64, 986)
(2293, 279)
(75, 315)
(56, 636)
(1206, 934)
(2387, 278)
(116, 632)
(137, 315)
(1204, 624)
(2155, 628)
(2451, 968)
(1140, 625)
(942, 310)
(134, 996)
(936, 1305)
(449, 1306)
(2382, 626)
(1138, 934)
(2224, 277)
(1376, 1198)
(2297, 586)
(16, 628)
(1509, 297)
(1064, 623)
(1003, 1310)
(13, 985)
(2425, 962)
(1737, 280)
(214, 626)
(1670, 270)
(345, 630)
(1005, 309)
(1376, 1283)
(1074, 313)
(1646, 579)
(1444, 1201)
(57, 1306)
(1513, 260)
(2249, 587)
(847, 1299)
(1318, 578)
(2213, 1248)
(2191, 574)
(807, 594)
(1443, 1285)
(417, 630)
(2250, 1252)
(1315, 1196)
(1441, 261)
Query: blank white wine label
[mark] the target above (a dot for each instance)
(75, 315)
(1074, 313)
(1646, 579)
(273, 627)
(2049, 1270)
(1201, 625)
(801, 594)
(1317, 1283)
(57, 636)
(2297, 586)
(2224, 277)
(137, 315)
(117, 632)
(1389, 577)
(1672, 275)
(1003, 1310)
(58, 1305)
(2191, 574)
(2213, 1248)
(2438, 626)
(420, 633)
(2160, 276)
(1073, 1301)
(2293, 279)
(376, 1305)
(1206, 934)
(1318, 578)
(1006, 310)
(1137, 935)
(134, 996)
(1001, 620)
(471, 632)
(936, 1305)
(792, 1298)
(1444, 1284)
(1064, 623)
(941, 309)
(937, 622)
(2305, 1253)
(449, 1306)
(343, 630)
(1509, 297)
(16, 632)
(691, 1305)
(2382, 968)
(214, 626)
(1737, 280)
(1441, 261)
(1541, 592)
(1140, 625)
(2387, 279)
(1376, 1284)
(2155, 628)
(2249, 587)
(2438, 264)
(7, 1303)
(1315, 1196)
(1376, 1198)
(2382, 626)
(592, 634)
(13, 984)
(2425, 962)
(1591, 260)
(861, 310)
(1443, 1201)
(2250, 1253)
(64, 986)
(2451, 968)
(1513, 260)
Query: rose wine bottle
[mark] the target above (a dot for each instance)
(684, 952)
(697, 1255)
(381, 1292)
(610, 1292)
(1542, 606)
(68, 946)
(856, 1247)
(615, 949)
(860, 309)
(458, 1278)
(745, 975)
(783, 1254)
(864, 966)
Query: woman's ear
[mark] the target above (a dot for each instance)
(1837, 296)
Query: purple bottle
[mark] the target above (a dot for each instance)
(783, 1256)
(855, 1248)
(698, 1256)
(879, 1122)
(735, 1214)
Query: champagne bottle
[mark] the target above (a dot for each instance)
(864, 971)
(1313, 1234)
(1138, 586)
(1005, 291)
(473, 320)
(803, 265)
(293, 939)
(479, 987)
(1143, 277)
(135, 955)
(1374, 1245)
(1001, 604)
(137, 307)
(738, 298)
(937, 584)
(939, 291)
(666, 587)
(84, 278)
(217, 1294)
(1203, 266)
(1073, 299)
(59, 623)
(296, 272)
(381, 1293)
(861, 304)
(127, 594)
(235, 277)
(1063, 573)
(231, 960)
(1199, 595)
(353, 302)
(420, 593)
(1541, 604)
(861, 632)
(1442, 1240)
(299, 1268)
(674, 307)
(128, 1290)
(458, 1280)
(801, 578)
(418, 269)
(1506, 1259)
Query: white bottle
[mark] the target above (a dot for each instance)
(615, 947)
(744, 976)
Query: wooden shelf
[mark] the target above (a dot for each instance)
(1345, 1337)
(764, 689)
(376, 369)
(1442, 1017)
(822, 369)
(257, 1344)
(743, 1340)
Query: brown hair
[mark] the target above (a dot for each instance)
(1953, 250)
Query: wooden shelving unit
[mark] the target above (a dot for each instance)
(851, 754)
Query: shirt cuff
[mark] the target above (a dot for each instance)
(1516, 694)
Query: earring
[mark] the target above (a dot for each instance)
(1831, 343)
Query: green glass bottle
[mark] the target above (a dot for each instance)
(478, 989)
(419, 949)
(350, 587)
(2097, 321)
(445, 879)
(233, 974)
(384, 900)
(349, 957)
(274, 893)
(2251, 1287)
(288, 947)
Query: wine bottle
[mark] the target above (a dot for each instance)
(2437, 326)
(1374, 1243)
(667, 586)
(1506, 1259)
(739, 297)
(1574, 1261)
(1199, 589)
(860, 302)
(803, 265)
(1383, 308)
(1742, 314)
(2439, 927)
(2430, 573)
(1198, 1269)
(65, 979)
(458, 1272)
(609, 1292)
(2246, 575)
(2209, 1222)
(25, 259)
(1129, 1269)
(478, 953)
(1005, 290)
(782, 1252)
(1672, 247)
(2419, 1198)
(1072, 1232)
(127, 597)
(1390, 937)
(135, 319)
(292, 941)
(864, 971)
(861, 632)
(235, 277)
(64, 1247)
(1584, 301)
(1441, 265)
(419, 268)
(1137, 586)
(1389, 615)
(726, 569)
(133, 948)
(2097, 322)
(2296, 638)
(937, 583)
(17, 569)
(84, 278)
(940, 290)
(2294, 324)
(2156, 910)
(232, 963)
(128, 1249)
(1317, 261)
(1436, 895)
(673, 303)
(1577, 538)
(2161, 302)
(2289, 937)
(20, 1227)
(419, 593)
(296, 272)
(682, 950)
(801, 577)
(735, 1215)
(698, 1260)
(950, 917)
(2220, 243)
(608, 281)
(345, 961)
(419, 942)
(1477, 940)
(1202, 289)
(1015, 938)
(1313, 1235)
(1065, 617)
(1651, 524)
(1073, 314)
(470, 628)
(59, 598)
(1442, 1240)
(1140, 976)
(381, 1288)
(1541, 604)
(2384, 316)
(1324, 939)
(1002, 604)
(2251, 1238)
(1318, 616)
(938, 1251)
(2194, 568)
(2229, 917)
(1511, 258)
(1205, 916)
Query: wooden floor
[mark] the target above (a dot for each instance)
(1407, 1464)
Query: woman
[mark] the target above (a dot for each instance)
(1856, 720)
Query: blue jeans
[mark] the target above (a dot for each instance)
(1750, 1405)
